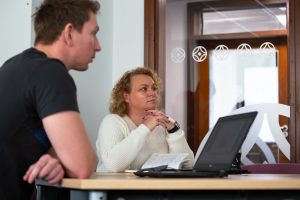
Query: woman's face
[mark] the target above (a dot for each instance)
(143, 94)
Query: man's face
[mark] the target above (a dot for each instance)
(86, 44)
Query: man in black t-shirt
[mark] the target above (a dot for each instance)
(41, 131)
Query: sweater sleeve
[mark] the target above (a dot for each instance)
(178, 144)
(116, 146)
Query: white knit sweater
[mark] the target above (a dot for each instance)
(121, 145)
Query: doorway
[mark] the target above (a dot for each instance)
(291, 47)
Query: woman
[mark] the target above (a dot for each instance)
(136, 129)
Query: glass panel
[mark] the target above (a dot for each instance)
(243, 78)
(246, 20)
(202, 85)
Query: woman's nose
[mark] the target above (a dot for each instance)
(151, 92)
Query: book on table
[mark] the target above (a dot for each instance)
(171, 160)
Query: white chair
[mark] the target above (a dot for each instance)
(272, 111)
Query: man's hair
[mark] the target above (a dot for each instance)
(118, 105)
(53, 15)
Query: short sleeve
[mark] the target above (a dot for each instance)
(52, 89)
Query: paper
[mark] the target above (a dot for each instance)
(174, 161)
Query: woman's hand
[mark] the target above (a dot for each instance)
(47, 168)
(155, 118)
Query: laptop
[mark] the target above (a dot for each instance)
(220, 150)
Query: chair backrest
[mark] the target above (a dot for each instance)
(272, 111)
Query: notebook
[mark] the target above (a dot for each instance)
(221, 148)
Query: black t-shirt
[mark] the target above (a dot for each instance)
(32, 87)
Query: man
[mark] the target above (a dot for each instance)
(41, 131)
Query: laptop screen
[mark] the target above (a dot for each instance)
(224, 142)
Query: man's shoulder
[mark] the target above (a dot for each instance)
(32, 61)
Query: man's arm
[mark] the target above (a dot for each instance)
(70, 141)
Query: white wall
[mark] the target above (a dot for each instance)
(15, 23)
(121, 36)
(128, 34)
(94, 85)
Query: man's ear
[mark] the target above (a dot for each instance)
(68, 34)
(126, 96)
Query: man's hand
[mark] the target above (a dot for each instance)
(47, 168)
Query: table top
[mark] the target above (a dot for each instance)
(128, 181)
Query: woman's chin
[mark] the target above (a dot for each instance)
(151, 107)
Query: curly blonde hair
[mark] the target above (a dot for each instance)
(117, 101)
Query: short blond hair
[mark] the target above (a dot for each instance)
(118, 104)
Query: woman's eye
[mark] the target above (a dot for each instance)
(143, 89)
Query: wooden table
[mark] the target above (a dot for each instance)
(116, 185)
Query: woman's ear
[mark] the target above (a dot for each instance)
(126, 96)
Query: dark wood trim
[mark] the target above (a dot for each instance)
(293, 100)
(291, 44)
(149, 33)
(297, 87)
(258, 34)
(294, 61)
(203, 99)
(154, 40)
(212, 6)
(192, 97)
